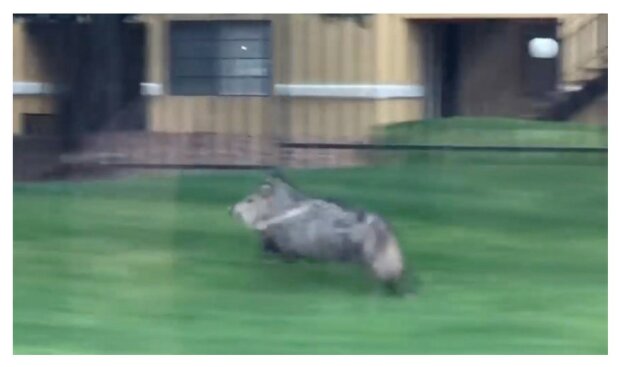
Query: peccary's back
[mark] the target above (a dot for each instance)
(325, 232)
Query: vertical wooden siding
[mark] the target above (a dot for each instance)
(399, 61)
(224, 114)
(30, 64)
(330, 52)
(307, 49)
(584, 46)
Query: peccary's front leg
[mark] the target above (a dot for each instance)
(271, 247)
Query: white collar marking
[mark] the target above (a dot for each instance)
(262, 225)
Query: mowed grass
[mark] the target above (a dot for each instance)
(496, 131)
(512, 260)
(510, 249)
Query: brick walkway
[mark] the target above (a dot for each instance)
(205, 148)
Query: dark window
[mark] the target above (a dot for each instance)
(220, 58)
(39, 124)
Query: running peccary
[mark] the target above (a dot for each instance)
(296, 226)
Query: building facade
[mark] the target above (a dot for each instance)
(311, 77)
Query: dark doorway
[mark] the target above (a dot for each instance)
(449, 79)
(482, 67)
(539, 75)
(441, 63)
(99, 66)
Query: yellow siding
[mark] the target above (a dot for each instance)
(584, 41)
(382, 56)
(328, 51)
(398, 110)
(398, 62)
(295, 41)
(306, 49)
(28, 66)
(208, 114)
(572, 22)
(399, 50)
(26, 59)
(315, 41)
(37, 58)
(18, 51)
(280, 46)
(368, 50)
(197, 113)
(331, 119)
(156, 55)
(415, 54)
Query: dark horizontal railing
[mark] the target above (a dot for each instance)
(439, 147)
(183, 166)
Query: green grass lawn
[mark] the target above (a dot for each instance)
(497, 131)
(512, 257)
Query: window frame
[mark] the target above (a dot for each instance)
(214, 88)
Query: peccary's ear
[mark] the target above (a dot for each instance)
(276, 173)
(276, 177)
(266, 190)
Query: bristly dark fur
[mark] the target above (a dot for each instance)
(278, 174)
(276, 240)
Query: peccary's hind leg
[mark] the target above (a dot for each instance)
(404, 286)
(289, 257)
(271, 248)
(394, 288)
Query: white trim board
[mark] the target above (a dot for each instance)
(364, 91)
(22, 88)
(34, 88)
(151, 89)
(356, 91)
